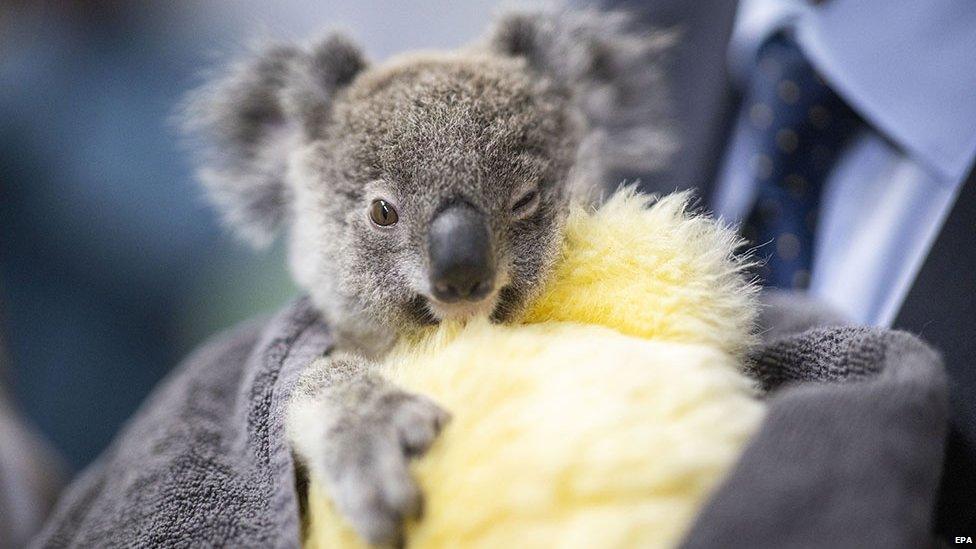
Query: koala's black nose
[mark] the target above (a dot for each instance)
(459, 248)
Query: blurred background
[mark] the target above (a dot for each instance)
(112, 267)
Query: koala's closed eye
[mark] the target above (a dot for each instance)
(525, 204)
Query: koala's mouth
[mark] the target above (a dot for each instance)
(499, 307)
(462, 310)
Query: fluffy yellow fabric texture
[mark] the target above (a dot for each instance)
(604, 416)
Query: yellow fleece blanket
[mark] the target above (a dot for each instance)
(606, 415)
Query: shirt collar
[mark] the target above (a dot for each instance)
(906, 66)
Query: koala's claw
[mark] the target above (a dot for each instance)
(368, 463)
(418, 422)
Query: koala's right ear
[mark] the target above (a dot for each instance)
(247, 120)
(615, 68)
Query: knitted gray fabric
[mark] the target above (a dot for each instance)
(850, 452)
(850, 463)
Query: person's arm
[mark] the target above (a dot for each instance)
(31, 474)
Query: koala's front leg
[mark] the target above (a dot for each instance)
(356, 432)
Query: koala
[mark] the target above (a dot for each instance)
(431, 187)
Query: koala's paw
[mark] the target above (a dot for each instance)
(368, 448)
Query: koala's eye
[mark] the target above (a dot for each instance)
(525, 204)
(382, 213)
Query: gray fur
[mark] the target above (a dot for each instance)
(612, 64)
(360, 433)
(246, 120)
(308, 138)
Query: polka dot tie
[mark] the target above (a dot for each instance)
(799, 126)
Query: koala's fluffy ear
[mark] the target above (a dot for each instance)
(614, 70)
(247, 120)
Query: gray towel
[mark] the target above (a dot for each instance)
(204, 462)
(848, 456)
(850, 452)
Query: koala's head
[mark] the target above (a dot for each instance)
(432, 186)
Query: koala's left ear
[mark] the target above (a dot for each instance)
(246, 121)
(613, 66)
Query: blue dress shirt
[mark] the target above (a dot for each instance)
(909, 69)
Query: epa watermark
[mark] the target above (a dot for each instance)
(964, 539)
